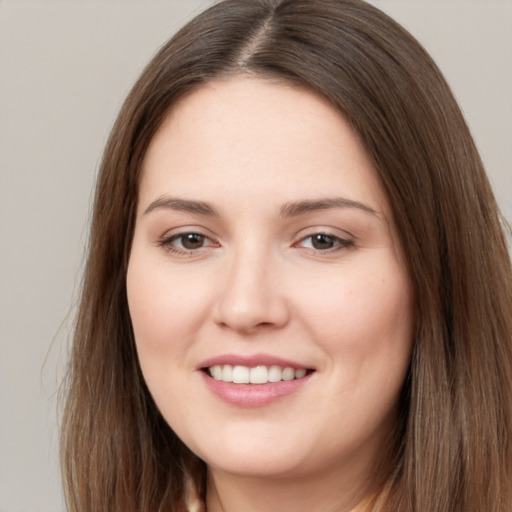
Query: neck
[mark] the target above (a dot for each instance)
(322, 493)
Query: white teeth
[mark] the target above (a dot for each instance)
(217, 372)
(241, 375)
(288, 374)
(300, 373)
(256, 375)
(274, 374)
(227, 373)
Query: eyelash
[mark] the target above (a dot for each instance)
(167, 243)
(338, 242)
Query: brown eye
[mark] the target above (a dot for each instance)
(186, 243)
(324, 242)
(192, 241)
(321, 241)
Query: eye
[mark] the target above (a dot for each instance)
(186, 242)
(324, 242)
(190, 241)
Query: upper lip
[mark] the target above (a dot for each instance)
(251, 361)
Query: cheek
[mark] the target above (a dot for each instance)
(165, 311)
(362, 315)
(165, 308)
(363, 322)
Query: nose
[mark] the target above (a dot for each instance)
(250, 298)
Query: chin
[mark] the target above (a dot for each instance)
(248, 456)
(258, 467)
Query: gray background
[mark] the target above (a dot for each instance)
(65, 69)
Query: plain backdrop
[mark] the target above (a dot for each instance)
(65, 68)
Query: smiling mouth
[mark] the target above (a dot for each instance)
(238, 374)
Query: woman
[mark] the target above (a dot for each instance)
(298, 294)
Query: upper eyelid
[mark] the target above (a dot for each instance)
(185, 230)
(167, 243)
(300, 235)
(169, 236)
(175, 236)
(332, 235)
(325, 230)
(343, 241)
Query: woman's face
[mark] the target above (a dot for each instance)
(264, 251)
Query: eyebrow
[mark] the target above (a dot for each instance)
(291, 209)
(175, 203)
(301, 207)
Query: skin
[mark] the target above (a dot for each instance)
(256, 283)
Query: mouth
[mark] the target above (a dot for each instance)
(261, 374)
(256, 380)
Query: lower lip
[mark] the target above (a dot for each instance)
(253, 395)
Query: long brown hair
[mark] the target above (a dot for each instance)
(453, 448)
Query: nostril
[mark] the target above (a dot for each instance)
(247, 305)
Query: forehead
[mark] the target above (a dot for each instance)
(251, 135)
